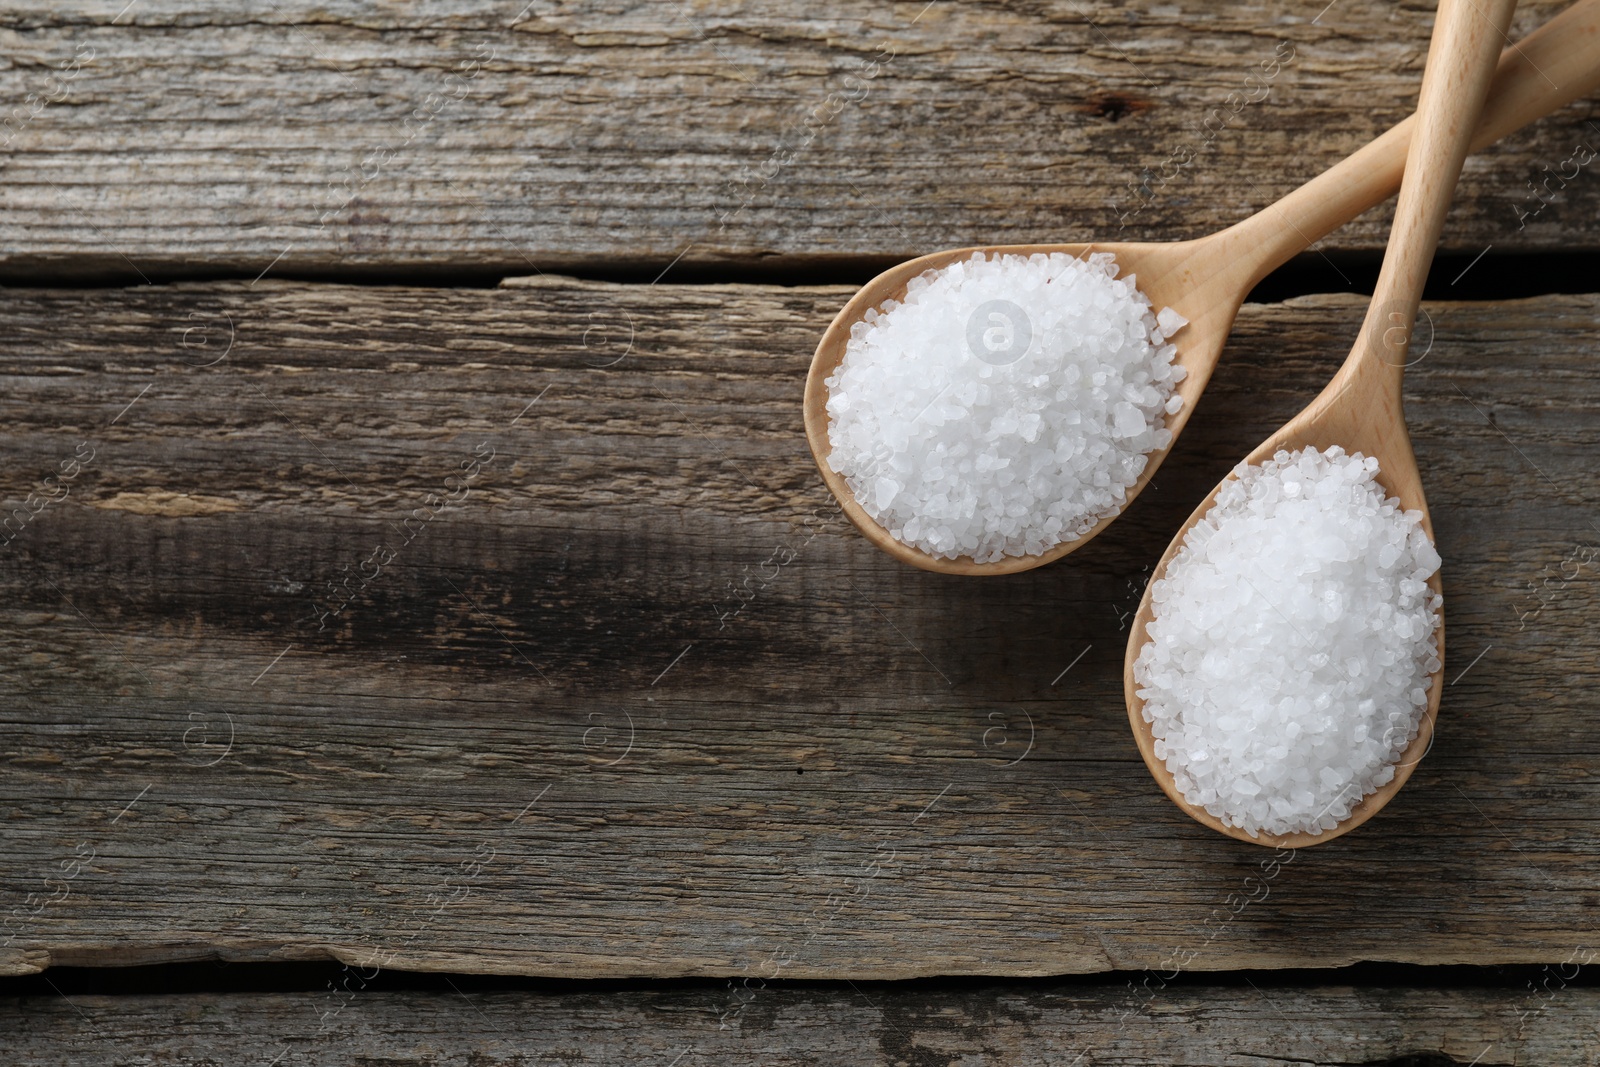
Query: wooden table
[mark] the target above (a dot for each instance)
(415, 564)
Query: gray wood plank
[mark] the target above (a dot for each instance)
(335, 137)
(637, 701)
(1024, 1026)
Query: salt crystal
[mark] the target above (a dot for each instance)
(1292, 642)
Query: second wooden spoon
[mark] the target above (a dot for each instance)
(1361, 409)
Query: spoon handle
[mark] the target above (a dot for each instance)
(1551, 67)
(1467, 35)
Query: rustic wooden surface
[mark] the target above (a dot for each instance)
(1017, 1026)
(330, 138)
(536, 738)
(509, 630)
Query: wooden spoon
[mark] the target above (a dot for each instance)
(1207, 280)
(1361, 409)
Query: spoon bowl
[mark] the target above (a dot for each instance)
(1166, 274)
(1336, 417)
(1207, 280)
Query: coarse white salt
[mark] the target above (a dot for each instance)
(1289, 655)
(1005, 406)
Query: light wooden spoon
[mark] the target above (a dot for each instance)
(1361, 409)
(1207, 280)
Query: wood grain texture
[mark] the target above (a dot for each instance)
(335, 137)
(638, 702)
(1015, 1026)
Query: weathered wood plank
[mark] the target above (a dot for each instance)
(1024, 1026)
(638, 703)
(333, 136)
